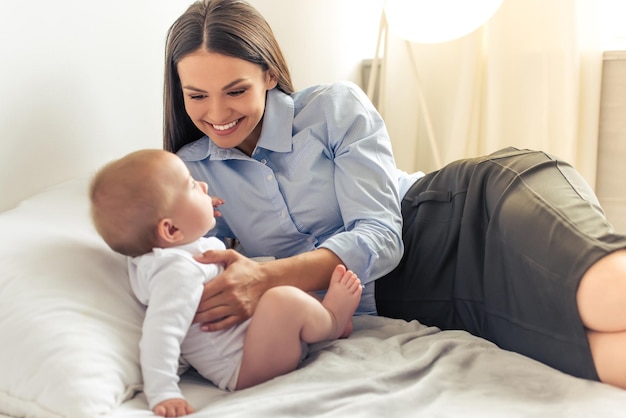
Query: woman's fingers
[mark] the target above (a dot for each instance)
(226, 299)
(221, 316)
(214, 309)
(224, 323)
(224, 257)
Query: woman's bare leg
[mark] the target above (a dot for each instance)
(608, 350)
(286, 316)
(602, 305)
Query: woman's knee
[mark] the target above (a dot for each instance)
(601, 295)
(607, 350)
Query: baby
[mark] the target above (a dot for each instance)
(147, 206)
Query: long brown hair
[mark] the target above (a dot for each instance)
(228, 27)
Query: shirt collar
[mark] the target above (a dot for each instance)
(277, 122)
(275, 135)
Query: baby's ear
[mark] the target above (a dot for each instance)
(168, 232)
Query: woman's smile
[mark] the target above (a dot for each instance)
(227, 126)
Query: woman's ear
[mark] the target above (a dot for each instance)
(168, 232)
(271, 80)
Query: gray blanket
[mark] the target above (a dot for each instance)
(391, 368)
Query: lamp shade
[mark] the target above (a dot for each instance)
(434, 21)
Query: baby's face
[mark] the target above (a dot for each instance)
(193, 207)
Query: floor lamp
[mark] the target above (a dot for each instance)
(424, 21)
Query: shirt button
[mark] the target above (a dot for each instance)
(270, 177)
(264, 161)
(282, 214)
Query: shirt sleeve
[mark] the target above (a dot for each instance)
(366, 185)
(174, 285)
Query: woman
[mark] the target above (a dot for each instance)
(512, 247)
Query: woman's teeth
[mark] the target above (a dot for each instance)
(227, 126)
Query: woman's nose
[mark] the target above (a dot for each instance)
(205, 187)
(216, 111)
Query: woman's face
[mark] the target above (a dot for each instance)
(225, 97)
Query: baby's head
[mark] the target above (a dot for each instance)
(148, 199)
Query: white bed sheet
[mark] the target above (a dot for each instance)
(69, 330)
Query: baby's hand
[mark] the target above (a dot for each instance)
(173, 408)
(216, 202)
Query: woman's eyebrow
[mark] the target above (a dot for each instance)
(194, 89)
(226, 87)
(233, 83)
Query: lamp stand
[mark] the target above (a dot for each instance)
(375, 80)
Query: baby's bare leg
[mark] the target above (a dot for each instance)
(341, 300)
(287, 316)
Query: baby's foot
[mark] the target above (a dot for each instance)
(342, 299)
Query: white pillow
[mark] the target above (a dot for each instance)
(69, 326)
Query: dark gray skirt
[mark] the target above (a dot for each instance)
(497, 246)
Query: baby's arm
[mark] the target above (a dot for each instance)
(175, 287)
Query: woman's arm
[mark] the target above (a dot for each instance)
(231, 297)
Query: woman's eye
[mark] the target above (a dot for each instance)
(236, 92)
(196, 96)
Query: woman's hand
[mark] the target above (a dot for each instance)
(231, 297)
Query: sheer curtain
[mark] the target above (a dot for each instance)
(530, 78)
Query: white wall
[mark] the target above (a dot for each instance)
(81, 81)
(324, 40)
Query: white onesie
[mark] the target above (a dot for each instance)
(170, 283)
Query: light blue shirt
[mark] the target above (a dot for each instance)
(322, 176)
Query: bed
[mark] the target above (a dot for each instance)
(70, 330)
